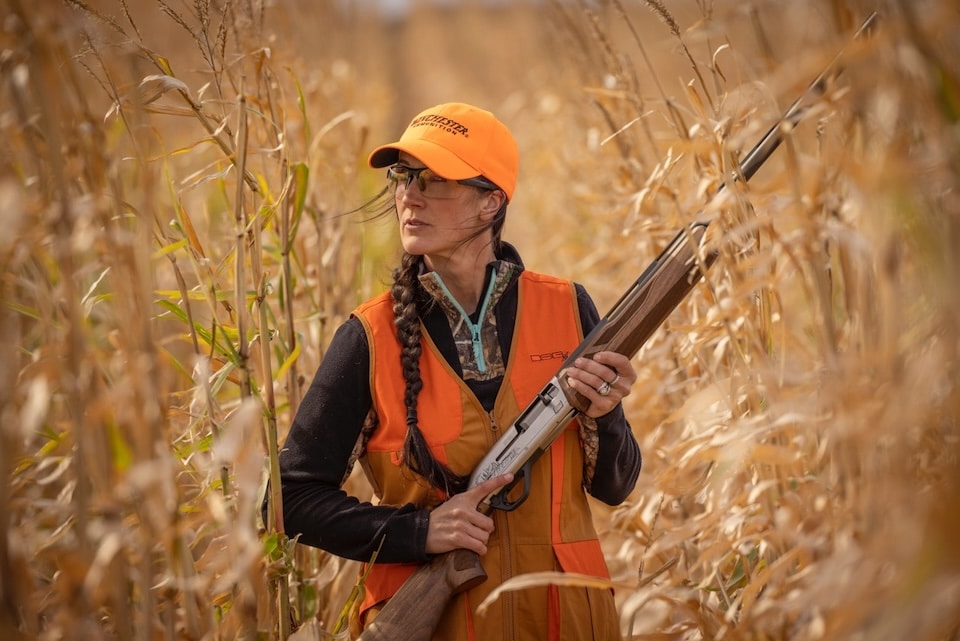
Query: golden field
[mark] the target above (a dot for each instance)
(177, 193)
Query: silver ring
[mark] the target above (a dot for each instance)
(614, 381)
(604, 389)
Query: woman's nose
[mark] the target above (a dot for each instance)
(412, 193)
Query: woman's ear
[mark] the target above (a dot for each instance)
(492, 202)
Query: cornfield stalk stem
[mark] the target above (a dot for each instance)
(286, 244)
(240, 257)
(240, 277)
(275, 504)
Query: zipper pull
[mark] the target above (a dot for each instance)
(478, 348)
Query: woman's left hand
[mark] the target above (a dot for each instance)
(605, 380)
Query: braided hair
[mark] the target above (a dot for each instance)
(416, 452)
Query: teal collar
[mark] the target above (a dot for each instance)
(474, 328)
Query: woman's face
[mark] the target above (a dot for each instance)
(437, 222)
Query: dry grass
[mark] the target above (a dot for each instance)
(797, 414)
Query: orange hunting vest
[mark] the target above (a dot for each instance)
(551, 531)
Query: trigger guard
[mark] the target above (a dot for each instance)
(499, 500)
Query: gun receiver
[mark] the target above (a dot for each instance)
(626, 327)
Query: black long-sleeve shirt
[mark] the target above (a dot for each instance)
(326, 438)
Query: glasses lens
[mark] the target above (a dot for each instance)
(399, 175)
(427, 179)
(429, 183)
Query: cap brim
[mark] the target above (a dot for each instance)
(446, 164)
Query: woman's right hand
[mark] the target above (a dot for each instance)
(456, 523)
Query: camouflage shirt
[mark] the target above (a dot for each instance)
(475, 334)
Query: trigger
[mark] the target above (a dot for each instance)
(500, 500)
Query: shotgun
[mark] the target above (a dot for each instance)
(414, 611)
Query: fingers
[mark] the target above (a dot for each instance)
(488, 487)
(604, 379)
(456, 523)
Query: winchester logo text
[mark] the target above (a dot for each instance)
(441, 122)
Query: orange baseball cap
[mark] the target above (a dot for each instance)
(458, 141)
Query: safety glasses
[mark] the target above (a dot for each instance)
(431, 185)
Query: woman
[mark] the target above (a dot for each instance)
(419, 383)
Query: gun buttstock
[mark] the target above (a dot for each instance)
(414, 611)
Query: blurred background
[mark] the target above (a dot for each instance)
(179, 187)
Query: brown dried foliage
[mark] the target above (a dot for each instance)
(797, 414)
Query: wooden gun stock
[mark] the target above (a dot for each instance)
(642, 309)
(413, 613)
